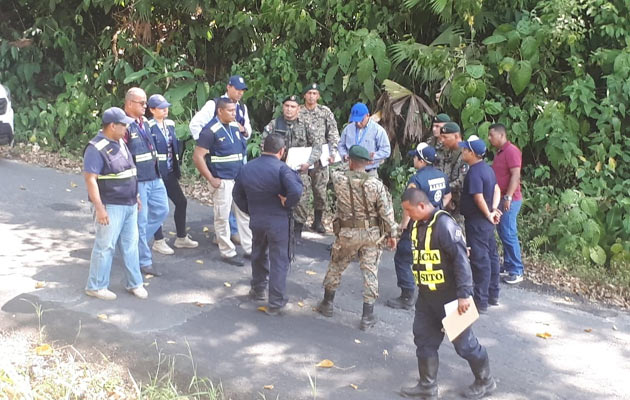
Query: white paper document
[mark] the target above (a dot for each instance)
(326, 154)
(298, 156)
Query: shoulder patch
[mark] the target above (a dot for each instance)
(100, 145)
(152, 123)
(216, 127)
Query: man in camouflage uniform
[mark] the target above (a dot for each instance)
(321, 121)
(364, 213)
(297, 134)
(454, 167)
(434, 141)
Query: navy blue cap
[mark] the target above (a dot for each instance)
(238, 82)
(358, 112)
(475, 145)
(424, 152)
(116, 115)
(158, 101)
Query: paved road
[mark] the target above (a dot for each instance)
(46, 232)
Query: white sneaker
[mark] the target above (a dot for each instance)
(103, 294)
(185, 243)
(162, 247)
(140, 292)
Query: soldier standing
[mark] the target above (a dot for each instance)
(321, 121)
(363, 206)
(453, 167)
(296, 134)
(434, 141)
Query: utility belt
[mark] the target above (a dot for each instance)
(360, 224)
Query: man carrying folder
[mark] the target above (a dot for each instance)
(442, 272)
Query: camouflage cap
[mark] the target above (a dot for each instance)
(357, 152)
(441, 118)
(450, 127)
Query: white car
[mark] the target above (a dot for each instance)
(6, 116)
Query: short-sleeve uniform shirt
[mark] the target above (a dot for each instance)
(479, 179)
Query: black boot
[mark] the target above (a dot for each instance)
(368, 319)
(325, 307)
(297, 231)
(484, 383)
(317, 222)
(427, 387)
(404, 301)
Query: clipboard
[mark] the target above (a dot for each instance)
(454, 324)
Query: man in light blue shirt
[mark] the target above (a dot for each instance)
(363, 131)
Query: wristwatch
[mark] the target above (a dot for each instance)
(507, 197)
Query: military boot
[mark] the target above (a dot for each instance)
(484, 383)
(404, 301)
(325, 307)
(427, 387)
(297, 231)
(317, 222)
(368, 319)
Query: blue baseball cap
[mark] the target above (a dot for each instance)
(238, 82)
(424, 152)
(158, 101)
(358, 112)
(116, 115)
(475, 145)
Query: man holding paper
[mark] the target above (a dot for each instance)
(443, 274)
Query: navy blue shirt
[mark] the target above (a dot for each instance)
(479, 179)
(431, 181)
(223, 140)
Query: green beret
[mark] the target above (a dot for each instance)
(450, 127)
(357, 152)
(441, 118)
(291, 98)
(312, 86)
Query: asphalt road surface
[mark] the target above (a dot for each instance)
(198, 314)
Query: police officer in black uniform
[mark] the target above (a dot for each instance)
(443, 272)
(267, 189)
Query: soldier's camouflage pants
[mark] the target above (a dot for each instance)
(349, 243)
(319, 182)
(301, 210)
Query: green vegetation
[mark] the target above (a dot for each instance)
(555, 72)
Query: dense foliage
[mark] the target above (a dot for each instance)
(556, 72)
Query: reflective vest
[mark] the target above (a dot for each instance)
(225, 157)
(142, 148)
(117, 182)
(428, 269)
(161, 146)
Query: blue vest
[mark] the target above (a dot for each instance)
(161, 145)
(225, 158)
(142, 148)
(117, 182)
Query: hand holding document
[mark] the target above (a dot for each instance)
(324, 159)
(298, 156)
(454, 323)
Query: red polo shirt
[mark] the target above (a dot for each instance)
(508, 156)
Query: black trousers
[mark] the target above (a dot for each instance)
(484, 260)
(174, 192)
(270, 260)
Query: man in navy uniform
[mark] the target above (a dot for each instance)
(110, 177)
(219, 158)
(435, 184)
(443, 275)
(267, 189)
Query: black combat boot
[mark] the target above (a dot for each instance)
(484, 383)
(297, 231)
(317, 222)
(325, 307)
(404, 301)
(368, 319)
(427, 387)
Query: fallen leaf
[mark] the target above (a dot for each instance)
(172, 233)
(325, 364)
(199, 261)
(227, 284)
(44, 350)
(544, 335)
(40, 284)
(262, 308)
(171, 342)
(353, 386)
(148, 276)
(205, 229)
(68, 190)
(588, 330)
(102, 316)
(72, 184)
(301, 304)
(268, 387)
(614, 327)
(309, 272)
(357, 341)
(385, 353)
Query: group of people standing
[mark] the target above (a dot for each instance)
(444, 243)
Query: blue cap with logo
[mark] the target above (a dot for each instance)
(358, 112)
(475, 145)
(238, 82)
(424, 152)
(116, 115)
(158, 101)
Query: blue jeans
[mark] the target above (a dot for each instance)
(508, 233)
(122, 231)
(403, 258)
(150, 217)
(233, 226)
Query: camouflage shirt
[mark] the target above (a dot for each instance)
(297, 135)
(367, 191)
(440, 152)
(455, 169)
(321, 121)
